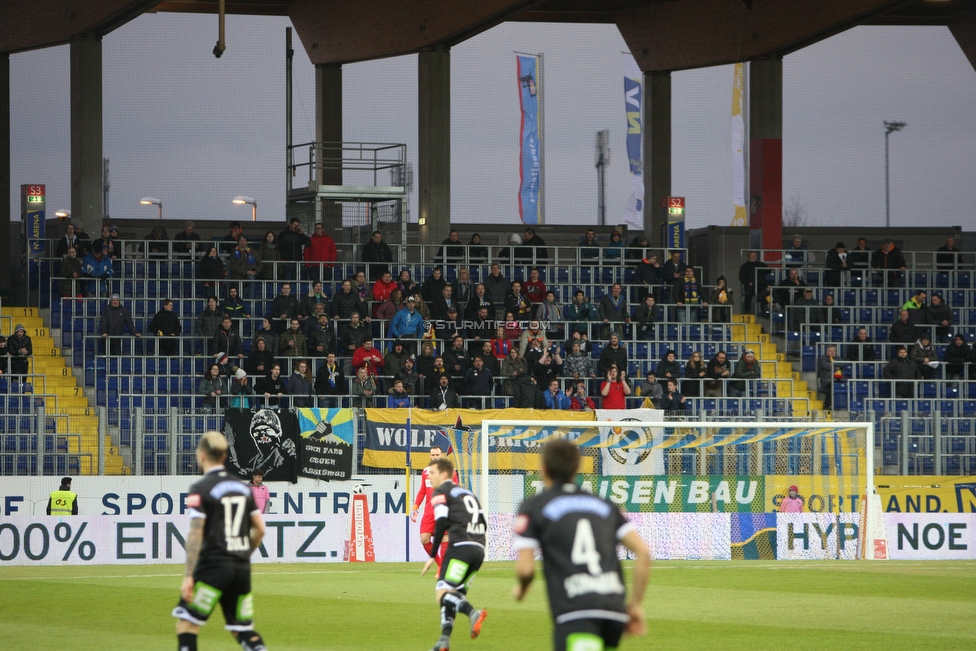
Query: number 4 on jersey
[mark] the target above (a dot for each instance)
(584, 548)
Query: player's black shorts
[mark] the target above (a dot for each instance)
(228, 584)
(460, 564)
(587, 635)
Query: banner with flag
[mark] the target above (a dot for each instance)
(264, 440)
(530, 140)
(458, 430)
(633, 105)
(628, 450)
(327, 437)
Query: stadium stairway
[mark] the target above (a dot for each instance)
(52, 376)
(776, 367)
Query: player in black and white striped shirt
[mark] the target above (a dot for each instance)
(578, 534)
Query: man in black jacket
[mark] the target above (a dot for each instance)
(902, 368)
(226, 340)
(825, 375)
(291, 244)
(527, 393)
(320, 338)
(443, 396)
(889, 257)
(752, 281)
(21, 348)
(789, 290)
(284, 308)
(478, 380)
(647, 277)
(377, 252)
(115, 317)
(496, 287)
(837, 263)
(902, 331)
(531, 244)
(346, 302)
(613, 354)
(456, 359)
(166, 325)
(673, 269)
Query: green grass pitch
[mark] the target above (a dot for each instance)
(389, 607)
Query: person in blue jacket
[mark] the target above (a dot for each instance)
(555, 398)
(408, 323)
(97, 266)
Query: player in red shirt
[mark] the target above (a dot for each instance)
(423, 498)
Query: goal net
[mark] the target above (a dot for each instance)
(695, 490)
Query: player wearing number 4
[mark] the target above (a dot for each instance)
(458, 511)
(578, 534)
(423, 497)
(225, 527)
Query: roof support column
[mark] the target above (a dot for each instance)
(328, 131)
(963, 28)
(766, 155)
(5, 272)
(434, 149)
(657, 154)
(86, 132)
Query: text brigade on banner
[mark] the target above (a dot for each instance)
(386, 435)
(327, 437)
(265, 440)
(530, 142)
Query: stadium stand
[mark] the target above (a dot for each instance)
(155, 409)
(47, 399)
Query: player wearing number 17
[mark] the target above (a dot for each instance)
(457, 510)
(578, 534)
(225, 527)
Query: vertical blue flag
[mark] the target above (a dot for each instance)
(633, 100)
(530, 155)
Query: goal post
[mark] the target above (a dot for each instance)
(689, 472)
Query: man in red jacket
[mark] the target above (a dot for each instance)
(534, 290)
(383, 287)
(322, 249)
(367, 356)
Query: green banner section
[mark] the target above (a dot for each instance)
(672, 493)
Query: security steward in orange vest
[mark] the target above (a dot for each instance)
(63, 501)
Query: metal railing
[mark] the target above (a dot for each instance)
(938, 260)
(360, 163)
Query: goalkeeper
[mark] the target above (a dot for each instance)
(423, 498)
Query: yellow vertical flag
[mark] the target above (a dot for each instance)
(738, 128)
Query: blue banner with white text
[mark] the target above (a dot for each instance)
(530, 155)
(633, 100)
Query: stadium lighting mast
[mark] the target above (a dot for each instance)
(152, 201)
(242, 201)
(889, 126)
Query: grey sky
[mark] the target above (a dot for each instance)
(196, 131)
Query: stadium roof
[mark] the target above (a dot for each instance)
(662, 34)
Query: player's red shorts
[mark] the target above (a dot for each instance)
(427, 521)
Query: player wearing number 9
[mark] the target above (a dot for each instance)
(225, 528)
(456, 510)
(578, 534)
